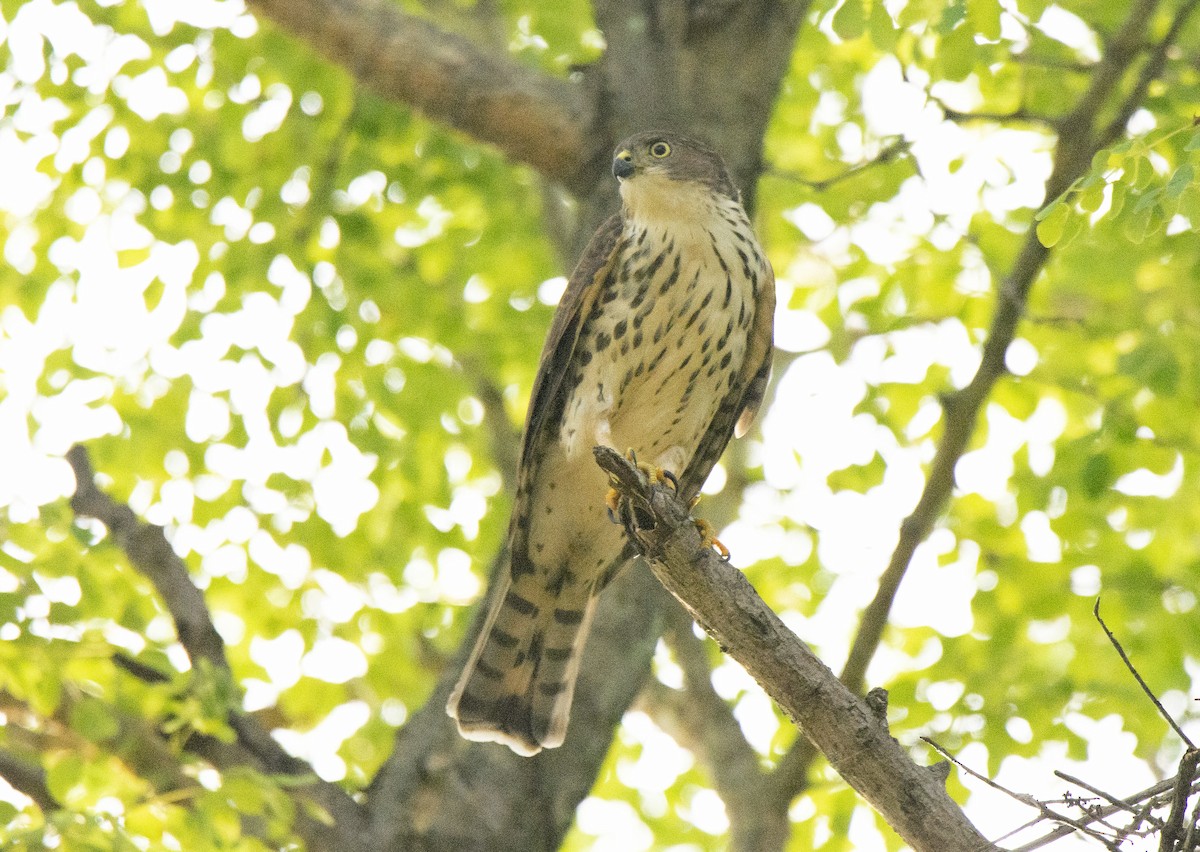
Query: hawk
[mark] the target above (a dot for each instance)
(661, 345)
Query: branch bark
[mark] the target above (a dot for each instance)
(532, 117)
(852, 736)
(28, 778)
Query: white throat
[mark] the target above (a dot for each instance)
(652, 199)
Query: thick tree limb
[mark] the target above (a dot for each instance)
(852, 736)
(530, 116)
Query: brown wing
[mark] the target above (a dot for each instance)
(741, 403)
(573, 308)
(759, 350)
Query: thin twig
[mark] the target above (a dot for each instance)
(1148, 795)
(1137, 676)
(1025, 799)
(1120, 803)
(889, 153)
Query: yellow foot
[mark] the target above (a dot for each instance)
(655, 475)
(708, 538)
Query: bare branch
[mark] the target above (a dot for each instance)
(533, 118)
(151, 554)
(856, 741)
(891, 152)
(1138, 677)
(1151, 796)
(1111, 799)
(1025, 799)
(28, 778)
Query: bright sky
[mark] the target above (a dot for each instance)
(812, 429)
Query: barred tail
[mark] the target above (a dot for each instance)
(518, 683)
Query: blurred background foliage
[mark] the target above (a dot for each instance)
(297, 326)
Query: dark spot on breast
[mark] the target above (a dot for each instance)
(640, 295)
(602, 341)
(619, 329)
(560, 580)
(656, 263)
(745, 262)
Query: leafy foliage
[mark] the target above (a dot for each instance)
(281, 311)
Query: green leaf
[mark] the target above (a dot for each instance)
(849, 21)
(94, 719)
(1097, 475)
(957, 53)
(984, 17)
(1091, 198)
(883, 29)
(1184, 177)
(1050, 229)
(64, 775)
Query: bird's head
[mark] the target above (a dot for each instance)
(663, 175)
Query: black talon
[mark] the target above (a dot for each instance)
(671, 478)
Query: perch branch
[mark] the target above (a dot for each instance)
(853, 737)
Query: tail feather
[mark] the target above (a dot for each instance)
(517, 685)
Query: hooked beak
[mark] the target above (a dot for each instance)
(623, 166)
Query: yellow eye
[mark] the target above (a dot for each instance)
(660, 150)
